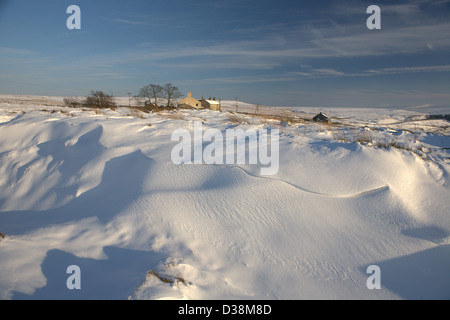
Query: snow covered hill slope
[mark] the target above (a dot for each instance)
(98, 189)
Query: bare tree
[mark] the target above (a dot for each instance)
(171, 93)
(149, 93)
(99, 99)
(155, 92)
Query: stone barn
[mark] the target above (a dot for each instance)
(321, 117)
(189, 101)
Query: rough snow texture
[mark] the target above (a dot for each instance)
(98, 189)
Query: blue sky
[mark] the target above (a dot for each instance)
(292, 53)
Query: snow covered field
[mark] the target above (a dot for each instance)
(98, 189)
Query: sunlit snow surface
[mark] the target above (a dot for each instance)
(98, 189)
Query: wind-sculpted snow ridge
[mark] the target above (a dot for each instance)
(99, 190)
(362, 193)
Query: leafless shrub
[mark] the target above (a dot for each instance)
(71, 102)
(99, 99)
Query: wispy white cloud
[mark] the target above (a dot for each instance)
(261, 52)
(129, 22)
(314, 73)
(413, 39)
(417, 69)
(295, 47)
(266, 78)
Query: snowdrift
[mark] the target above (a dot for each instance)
(99, 190)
